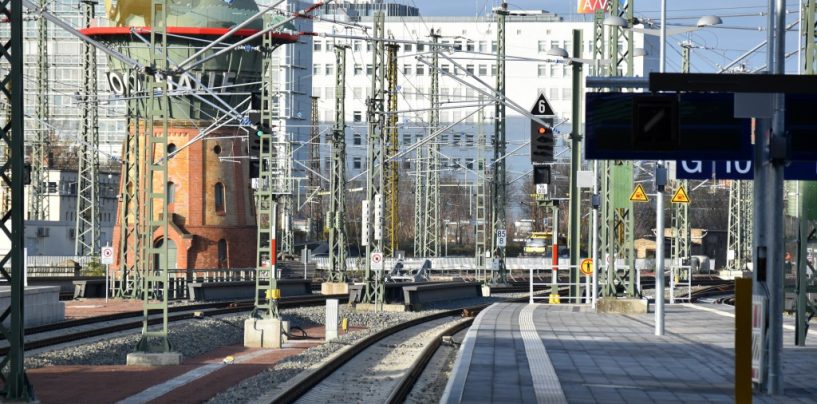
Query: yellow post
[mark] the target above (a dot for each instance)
(743, 340)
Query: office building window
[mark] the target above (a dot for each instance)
(469, 69)
(316, 70)
(421, 47)
(316, 46)
(356, 139)
(483, 70)
(357, 116)
(357, 164)
(407, 47)
(421, 70)
(543, 47)
(542, 70)
(358, 69)
(407, 70)
(330, 70)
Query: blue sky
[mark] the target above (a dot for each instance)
(719, 45)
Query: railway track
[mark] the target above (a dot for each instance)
(123, 322)
(402, 351)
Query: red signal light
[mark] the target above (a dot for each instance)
(542, 131)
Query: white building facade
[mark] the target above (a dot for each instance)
(472, 43)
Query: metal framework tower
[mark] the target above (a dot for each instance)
(336, 217)
(38, 200)
(375, 178)
(272, 182)
(12, 367)
(420, 172)
(431, 199)
(315, 206)
(130, 240)
(500, 145)
(481, 179)
(616, 235)
(285, 200)
(739, 236)
(392, 166)
(682, 242)
(88, 215)
(155, 279)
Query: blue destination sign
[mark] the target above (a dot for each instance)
(740, 170)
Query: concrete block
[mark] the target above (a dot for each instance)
(621, 306)
(154, 359)
(334, 288)
(42, 305)
(386, 307)
(264, 333)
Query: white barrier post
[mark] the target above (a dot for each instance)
(530, 280)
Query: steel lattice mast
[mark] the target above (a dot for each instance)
(617, 229)
(392, 166)
(481, 179)
(270, 183)
(431, 198)
(681, 245)
(375, 178)
(155, 278)
(12, 368)
(88, 214)
(38, 208)
(336, 217)
(314, 152)
(500, 145)
(130, 239)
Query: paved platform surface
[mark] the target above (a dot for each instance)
(568, 354)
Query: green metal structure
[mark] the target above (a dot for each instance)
(375, 179)
(130, 241)
(38, 207)
(336, 217)
(87, 231)
(481, 195)
(155, 279)
(499, 194)
(431, 196)
(12, 367)
(392, 166)
(616, 233)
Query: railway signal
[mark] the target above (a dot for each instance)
(541, 143)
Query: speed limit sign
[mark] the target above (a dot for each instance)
(106, 255)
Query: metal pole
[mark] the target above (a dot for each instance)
(659, 202)
(575, 162)
(595, 232)
(659, 262)
(774, 197)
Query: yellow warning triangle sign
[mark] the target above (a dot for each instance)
(680, 196)
(639, 195)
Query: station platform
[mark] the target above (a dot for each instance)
(540, 353)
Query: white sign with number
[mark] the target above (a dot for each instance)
(106, 255)
(541, 189)
(501, 238)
